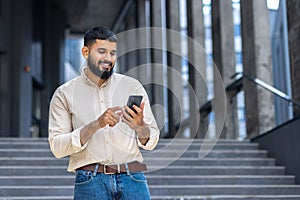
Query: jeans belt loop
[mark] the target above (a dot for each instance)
(127, 170)
(119, 169)
(96, 169)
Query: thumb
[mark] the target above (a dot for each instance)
(142, 105)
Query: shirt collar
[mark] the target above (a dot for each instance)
(89, 82)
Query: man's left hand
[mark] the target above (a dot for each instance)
(134, 119)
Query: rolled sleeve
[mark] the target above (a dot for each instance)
(150, 121)
(65, 144)
(154, 131)
(63, 140)
(152, 142)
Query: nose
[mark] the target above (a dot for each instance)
(107, 56)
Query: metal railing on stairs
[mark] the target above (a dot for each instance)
(267, 87)
(232, 90)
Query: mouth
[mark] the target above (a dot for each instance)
(105, 65)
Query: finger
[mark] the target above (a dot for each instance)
(114, 120)
(113, 114)
(139, 109)
(115, 108)
(129, 112)
(106, 121)
(116, 116)
(125, 119)
(111, 124)
(110, 118)
(142, 105)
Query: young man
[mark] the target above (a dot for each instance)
(89, 122)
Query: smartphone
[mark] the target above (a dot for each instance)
(134, 100)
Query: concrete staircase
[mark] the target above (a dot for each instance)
(233, 170)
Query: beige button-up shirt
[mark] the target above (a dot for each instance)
(80, 101)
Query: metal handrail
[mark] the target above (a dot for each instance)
(267, 87)
(233, 89)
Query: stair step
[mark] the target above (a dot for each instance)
(163, 189)
(45, 152)
(31, 161)
(31, 145)
(157, 180)
(215, 147)
(161, 141)
(157, 170)
(38, 198)
(62, 180)
(213, 154)
(225, 189)
(170, 146)
(33, 170)
(220, 180)
(211, 161)
(198, 140)
(38, 190)
(228, 197)
(185, 197)
(216, 170)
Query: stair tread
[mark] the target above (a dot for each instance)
(222, 196)
(157, 186)
(153, 176)
(147, 158)
(167, 197)
(149, 167)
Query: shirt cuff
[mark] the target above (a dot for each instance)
(151, 143)
(76, 144)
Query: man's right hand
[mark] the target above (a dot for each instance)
(110, 117)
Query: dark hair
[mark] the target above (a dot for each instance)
(100, 33)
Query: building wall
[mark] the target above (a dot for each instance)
(5, 97)
(31, 57)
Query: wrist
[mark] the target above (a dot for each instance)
(97, 123)
(143, 131)
(141, 127)
(143, 134)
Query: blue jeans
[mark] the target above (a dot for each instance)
(125, 186)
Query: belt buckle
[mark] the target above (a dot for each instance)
(104, 170)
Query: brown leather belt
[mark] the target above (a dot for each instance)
(115, 169)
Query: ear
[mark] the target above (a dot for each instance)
(85, 52)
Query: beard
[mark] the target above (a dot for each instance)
(103, 74)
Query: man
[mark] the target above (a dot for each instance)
(89, 122)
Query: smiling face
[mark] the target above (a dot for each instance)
(101, 57)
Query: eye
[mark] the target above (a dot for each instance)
(112, 53)
(101, 51)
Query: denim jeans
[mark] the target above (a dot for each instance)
(124, 186)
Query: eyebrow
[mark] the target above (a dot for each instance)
(104, 49)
